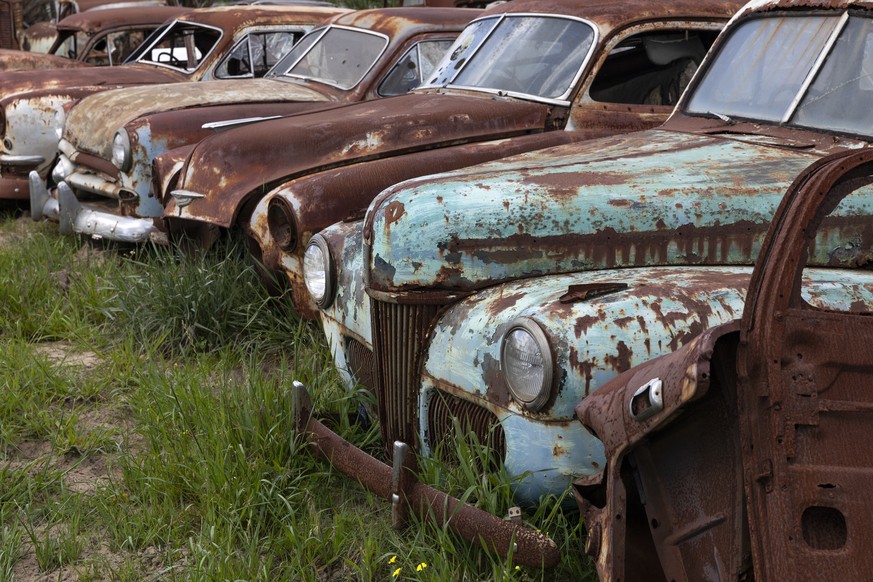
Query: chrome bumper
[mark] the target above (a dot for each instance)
(75, 217)
(399, 484)
(42, 205)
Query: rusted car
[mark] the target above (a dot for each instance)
(523, 70)
(741, 456)
(472, 294)
(357, 56)
(37, 26)
(195, 47)
(96, 38)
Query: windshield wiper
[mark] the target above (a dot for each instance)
(722, 116)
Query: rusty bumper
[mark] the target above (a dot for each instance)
(399, 484)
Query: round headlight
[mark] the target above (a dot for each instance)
(318, 271)
(280, 221)
(121, 150)
(526, 362)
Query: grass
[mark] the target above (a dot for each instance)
(146, 432)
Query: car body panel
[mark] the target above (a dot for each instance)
(561, 206)
(779, 401)
(93, 27)
(157, 125)
(457, 105)
(700, 190)
(35, 102)
(85, 129)
(427, 121)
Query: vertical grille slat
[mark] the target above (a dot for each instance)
(471, 417)
(361, 363)
(7, 27)
(399, 336)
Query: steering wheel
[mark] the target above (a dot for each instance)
(170, 59)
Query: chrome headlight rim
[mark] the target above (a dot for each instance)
(282, 223)
(543, 395)
(121, 153)
(318, 244)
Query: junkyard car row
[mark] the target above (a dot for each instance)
(501, 231)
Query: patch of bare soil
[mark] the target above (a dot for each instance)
(63, 354)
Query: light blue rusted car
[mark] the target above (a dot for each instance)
(502, 294)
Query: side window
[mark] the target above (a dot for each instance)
(257, 53)
(650, 68)
(69, 46)
(414, 66)
(97, 54)
(123, 43)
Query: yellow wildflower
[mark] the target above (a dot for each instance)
(421, 567)
(392, 560)
(396, 573)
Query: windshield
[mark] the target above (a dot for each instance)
(825, 84)
(182, 46)
(535, 55)
(334, 55)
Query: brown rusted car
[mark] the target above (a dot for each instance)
(94, 38)
(33, 24)
(742, 455)
(194, 47)
(523, 70)
(362, 55)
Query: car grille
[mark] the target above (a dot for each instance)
(7, 30)
(361, 363)
(444, 408)
(399, 336)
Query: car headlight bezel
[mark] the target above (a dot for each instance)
(529, 399)
(121, 153)
(317, 255)
(282, 223)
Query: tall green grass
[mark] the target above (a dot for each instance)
(204, 476)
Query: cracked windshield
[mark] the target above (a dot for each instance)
(529, 55)
(336, 56)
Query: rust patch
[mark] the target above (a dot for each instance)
(589, 291)
(393, 212)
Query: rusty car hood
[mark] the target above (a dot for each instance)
(91, 125)
(16, 83)
(338, 137)
(12, 60)
(651, 198)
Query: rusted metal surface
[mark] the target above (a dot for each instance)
(701, 190)
(575, 208)
(94, 26)
(417, 122)
(99, 20)
(35, 103)
(39, 37)
(156, 118)
(805, 401)
(407, 493)
(354, 186)
(15, 60)
(741, 455)
(337, 137)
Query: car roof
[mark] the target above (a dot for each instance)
(95, 20)
(410, 20)
(611, 14)
(238, 17)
